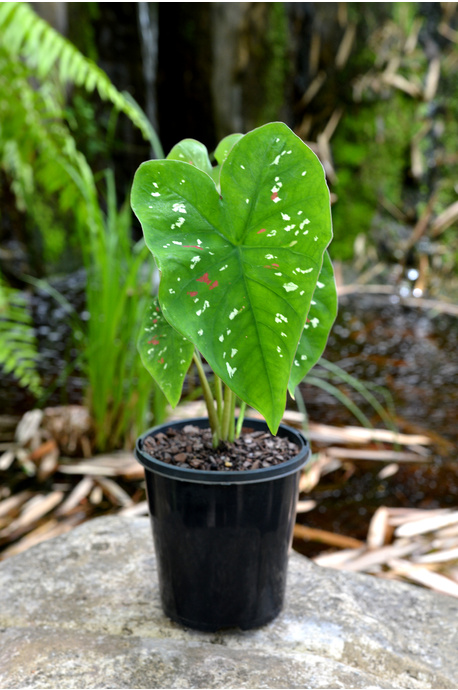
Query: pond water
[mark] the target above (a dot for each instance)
(413, 353)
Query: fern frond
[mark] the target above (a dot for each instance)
(18, 351)
(50, 177)
(23, 34)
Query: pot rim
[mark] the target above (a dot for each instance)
(190, 474)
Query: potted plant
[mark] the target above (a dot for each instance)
(247, 284)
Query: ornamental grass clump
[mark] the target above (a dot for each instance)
(246, 281)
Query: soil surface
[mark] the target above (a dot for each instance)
(192, 447)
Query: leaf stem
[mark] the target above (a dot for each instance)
(219, 398)
(238, 430)
(208, 397)
(231, 434)
(228, 396)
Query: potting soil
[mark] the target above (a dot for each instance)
(192, 446)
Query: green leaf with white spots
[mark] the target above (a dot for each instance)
(222, 152)
(165, 353)
(224, 147)
(323, 311)
(193, 152)
(239, 265)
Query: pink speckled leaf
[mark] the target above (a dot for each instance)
(165, 353)
(239, 265)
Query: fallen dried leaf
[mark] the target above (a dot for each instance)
(400, 516)
(380, 556)
(355, 434)
(48, 465)
(12, 504)
(305, 506)
(426, 525)
(96, 496)
(377, 455)
(379, 531)
(137, 509)
(43, 449)
(388, 471)
(121, 463)
(311, 476)
(88, 468)
(325, 537)
(114, 492)
(81, 491)
(337, 559)
(439, 556)
(36, 508)
(28, 427)
(50, 529)
(425, 577)
(6, 460)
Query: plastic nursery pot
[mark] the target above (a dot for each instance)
(222, 538)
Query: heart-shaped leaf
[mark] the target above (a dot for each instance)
(224, 147)
(165, 353)
(193, 152)
(323, 311)
(239, 268)
(222, 152)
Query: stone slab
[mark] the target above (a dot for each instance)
(83, 611)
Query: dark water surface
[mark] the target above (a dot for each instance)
(414, 354)
(57, 318)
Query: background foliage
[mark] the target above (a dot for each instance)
(371, 87)
(71, 218)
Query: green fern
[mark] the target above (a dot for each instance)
(60, 196)
(50, 178)
(18, 352)
(26, 36)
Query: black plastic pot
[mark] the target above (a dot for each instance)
(222, 538)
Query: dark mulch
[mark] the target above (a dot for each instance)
(191, 446)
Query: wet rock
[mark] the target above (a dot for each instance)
(75, 615)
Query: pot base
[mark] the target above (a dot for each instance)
(202, 626)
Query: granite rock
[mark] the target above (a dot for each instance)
(83, 611)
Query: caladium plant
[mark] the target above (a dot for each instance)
(246, 280)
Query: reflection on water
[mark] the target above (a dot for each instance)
(412, 352)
